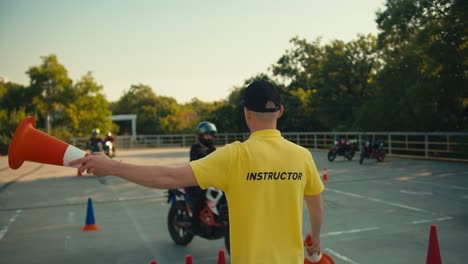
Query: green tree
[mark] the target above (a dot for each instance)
(151, 110)
(49, 82)
(87, 109)
(14, 96)
(326, 83)
(227, 114)
(15, 105)
(300, 66)
(422, 86)
(347, 72)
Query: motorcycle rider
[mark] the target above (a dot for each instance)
(95, 143)
(206, 133)
(111, 139)
(367, 144)
(341, 143)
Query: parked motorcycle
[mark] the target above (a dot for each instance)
(214, 219)
(342, 148)
(373, 150)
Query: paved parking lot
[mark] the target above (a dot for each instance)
(374, 213)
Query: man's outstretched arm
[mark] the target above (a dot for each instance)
(161, 177)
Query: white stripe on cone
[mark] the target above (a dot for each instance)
(314, 258)
(72, 153)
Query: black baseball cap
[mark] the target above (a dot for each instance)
(257, 95)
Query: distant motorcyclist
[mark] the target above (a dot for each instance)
(95, 143)
(109, 137)
(341, 141)
(206, 133)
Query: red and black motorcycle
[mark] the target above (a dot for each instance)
(342, 148)
(214, 218)
(372, 150)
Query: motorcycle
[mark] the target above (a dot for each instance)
(342, 148)
(214, 219)
(108, 149)
(373, 150)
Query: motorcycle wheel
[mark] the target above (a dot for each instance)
(179, 233)
(227, 242)
(380, 156)
(331, 155)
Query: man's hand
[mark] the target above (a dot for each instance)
(312, 244)
(97, 164)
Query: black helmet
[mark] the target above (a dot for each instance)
(206, 127)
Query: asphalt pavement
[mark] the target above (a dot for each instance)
(377, 212)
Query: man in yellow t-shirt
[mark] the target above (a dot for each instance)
(266, 179)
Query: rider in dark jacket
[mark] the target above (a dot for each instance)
(95, 143)
(206, 132)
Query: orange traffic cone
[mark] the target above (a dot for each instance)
(90, 224)
(433, 251)
(30, 144)
(221, 257)
(321, 258)
(188, 259)
(324, 174)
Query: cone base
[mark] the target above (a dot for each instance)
(92, 227)
(13, 160)
(328, 259)
(324, 260)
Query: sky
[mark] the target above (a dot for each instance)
(182, 49)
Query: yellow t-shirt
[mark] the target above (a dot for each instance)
(265, 179)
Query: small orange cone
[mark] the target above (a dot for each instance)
(188, 259)
(90, 224)
(433, 251)
(221, 257)
(321, 258)
(324, 174)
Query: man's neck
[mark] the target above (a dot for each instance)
(257, 126)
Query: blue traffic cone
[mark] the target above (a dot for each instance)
(90, 224)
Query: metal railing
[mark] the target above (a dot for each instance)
(433, 145)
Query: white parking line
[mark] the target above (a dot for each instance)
(337, 233)
(138, 228)
(415, 192)
(379, 201)
(441, 185)
(336, 254)
(423, 221)
(5, 228)
(366, 229)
